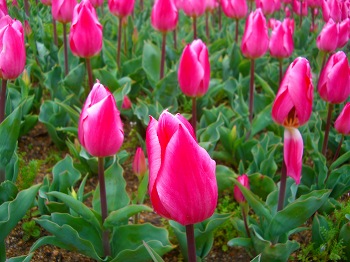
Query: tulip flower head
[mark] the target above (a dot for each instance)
(62, 10)
(164, 16)
(268, 7)
(12, 48)
(235, 9)
(255, 41)
(182, 181)
(194, 69)
(332, 9)
(210, 5)
(139, 165)
(126, 103)
(3, 8)
(100, 129)
(281, 42)
(293, 103)
(121, 8)
(333, 35)
(193, 8)
(244, 180)
(334, 82)
(85, 36)
(342, 124)
(293, 153)
(296, 7)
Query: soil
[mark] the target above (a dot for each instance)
(38, 145)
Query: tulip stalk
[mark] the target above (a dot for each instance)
(119, 41)
(251, 91)
(328, 127)
(207, 25)
(237, 29)
(65, 45)
(244, 209)
(194, 27)
(103, 200)
(162, 60)
(282, 191)
(219, 16)
(281, 68)
(191, 243)
(194, 114)
(89, 71)
(301, 13)
(338, 148)
(2, 117)
(55, 40)
(175, 39)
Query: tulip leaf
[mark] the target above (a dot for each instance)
(261, 185)
(223, 177)
(342, 159)
(75, 79)
(151, 62)
(25, 258)
(155, 257)
(240, 242)
(8, 191)
(262, 120)
(296, 213)
(319, 224)
(73, 114)
(107, 79)
(122, 215)
(265, 86)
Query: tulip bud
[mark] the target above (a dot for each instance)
(267, 6)
(296, 7)
(244, 180)
(121, 8)
(344, 33)
(182, 181)
(164, 16)
(100, 129)
(126, 103)
(293, 153)
(135, 36)
(139, 165)
(327, 40)
(3, 8)
(281, 43)
(193, 8)
(293, 103)
(210, 5)
(85, 36)
(235, 9)
(12, 48)
(194, 69)
(331, 9)
(342, 124)
(334, 82)
(62, 10)
(255, 41)
(27, 29)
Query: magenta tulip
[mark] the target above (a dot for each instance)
(182, 181)
(235, 9)
(12, 48)
(255, 41)
(85, 36)
(331, 9)
(293, 153)
(193, 8)
(296, 7)
(126, 103)
(3, 8)
(327, 40)
(344, 33)
(62, 10)
(244, 180)
(100, 129)
(121, 8)
(293, 103)
(194, 69)
(342, 124)
(268, 7)
(164, 16)
(281, 43)
(334, 81)
(139, 165)
(210, 5)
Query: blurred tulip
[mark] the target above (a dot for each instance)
(12, 48)
(27, 29)
(255, 41)
(62, 10)
(327, 40)
(126, 103)
(121, 8)
(344, 33)
(244, 180)
(100, 129)
(3, 8)
(293, 153)
(293, 103)
(296, 7)
(139, 165)
(287, 12)
(47, 2)
(194, 69)
(267, 6)
(281, 43)
(164, 16)
(210, 5)
(334, 81)
(85, 36)
(314, 3)
(342, 124)
(182, 181)
(235, 9)
(193, 8)
(331, 9)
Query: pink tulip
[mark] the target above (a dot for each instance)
(85, 36)
(281, 43)
(62, 10)
(287, 12)
(244, 180)
(334, 82)
(267, 6)
(139, 165)
(331, 9)
(100, 129)
(293, 103)
(3, 8)
(193, 8)
(12, 48)
(255, 41)
(182, 181)
(164, 16)
(126, 103)
(293, 153)
(121, 8)
(327, 40)
(296, 7)
(344, 33)
(210, 5)
(235, 9)
(194, 69)
(314, 3)
(342, 124)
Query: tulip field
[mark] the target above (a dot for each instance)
(174, 130)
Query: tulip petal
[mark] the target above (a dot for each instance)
(293, 153)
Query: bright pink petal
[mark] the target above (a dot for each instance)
(293, 153)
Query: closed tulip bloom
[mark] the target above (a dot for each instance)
(344, 33)
(126, 103)
(293, 103)
(293, 153)
(342, 124)
(121, 8)
(193, 8)
(100, 129)
(296, 7)
(235, 9)
(210, 5)
(244, 180)
(139, 165)
(334, 82)
(331, 9)
(85, 36)
(182, 181)
(327, 40)
(12, 48)
(194, 69)
(281, 43)
(314, 3)
(3, 8)
(255, 41)
(164, 16)
(62, 10)
(267, 6)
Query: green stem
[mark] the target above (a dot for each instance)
(301, 13)
(281, 68)
(175, 38)
(245, 219)
(162, 59)
(219, 17)
(194, 28)
(191, 243)
(338, 148)
(89, 71)
(237, 28)
(2, 117)
(251, 91)
(194, 115)
(328, 127)
(26, 7)
(103, 200)
(119, 41)
(125, 41)
(55, 40)
(207, 25)
(282, 191)
(65, 44)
